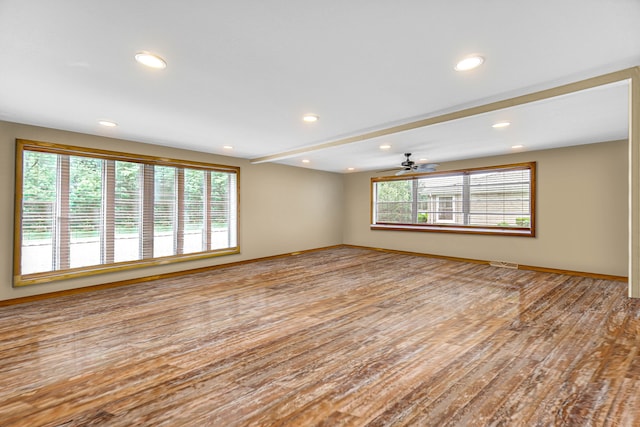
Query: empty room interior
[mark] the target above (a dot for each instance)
(334, 213)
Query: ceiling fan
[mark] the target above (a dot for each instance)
(409, 166)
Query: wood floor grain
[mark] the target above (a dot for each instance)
(341, 337)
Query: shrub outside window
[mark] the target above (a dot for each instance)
(492, 200)
(82, 211)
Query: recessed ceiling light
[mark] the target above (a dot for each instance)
(108, 123)
(310, 118)
(151, 60)
(227, 147)
(469, 63)
(306, 161)
(351, 169)
(423, 160)
(515, 147)
(385, 146)
(500, 125)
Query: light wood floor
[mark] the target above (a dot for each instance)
(339, 337)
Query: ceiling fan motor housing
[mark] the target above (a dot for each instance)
(408, 163)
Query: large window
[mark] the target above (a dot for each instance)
(495, 200)
(81, 211)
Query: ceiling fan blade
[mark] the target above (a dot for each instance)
(427, 167)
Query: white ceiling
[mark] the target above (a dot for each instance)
(243, 73)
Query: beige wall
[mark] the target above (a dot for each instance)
(582, 214)
(283, 209)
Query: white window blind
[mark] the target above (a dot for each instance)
(83, 212)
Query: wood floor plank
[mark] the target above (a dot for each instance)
(340, 337)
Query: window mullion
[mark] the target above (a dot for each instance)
(231, 213)
(206, 214)
(466, 198)
(414, 201)
(179, 216)
(107, 238)
(62, 238)
(148, 185)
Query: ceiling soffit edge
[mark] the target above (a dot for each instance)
(568, 88)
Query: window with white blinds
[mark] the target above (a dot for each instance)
(81, 211)
(493, 200)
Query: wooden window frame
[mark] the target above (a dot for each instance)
(146, 227)
(458, 228)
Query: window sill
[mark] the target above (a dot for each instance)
(51, 276)
(521, 232)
